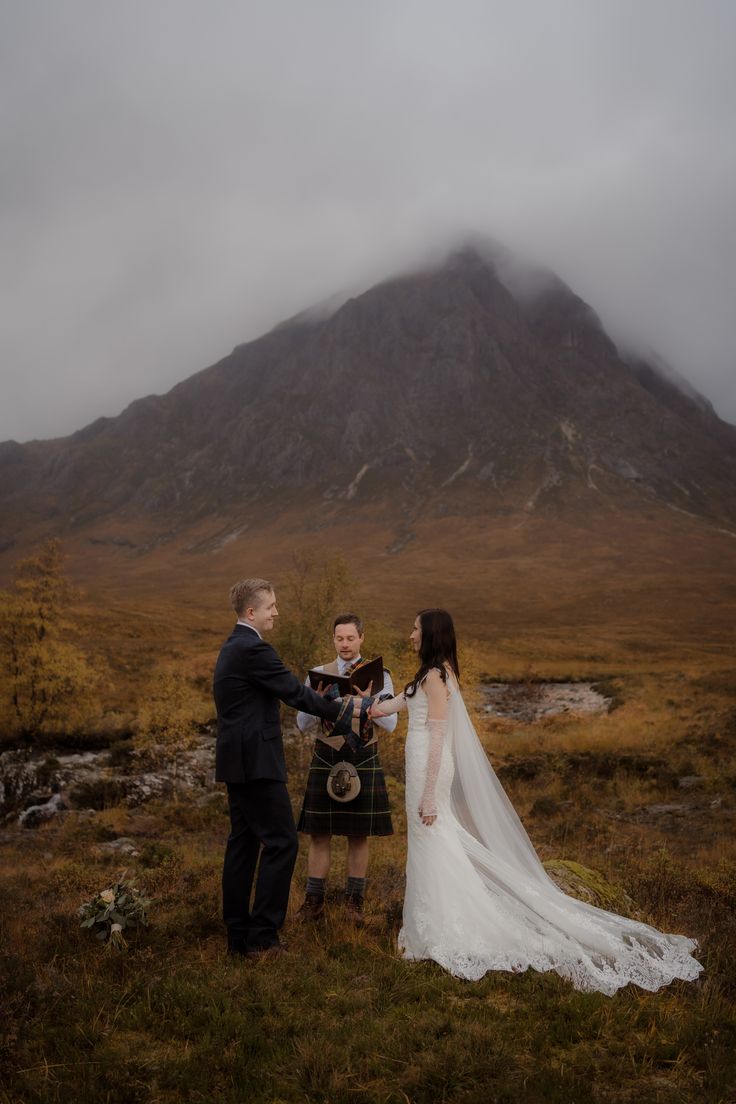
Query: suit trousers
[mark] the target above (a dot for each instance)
(262, 824)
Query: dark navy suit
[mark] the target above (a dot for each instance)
(249, 682)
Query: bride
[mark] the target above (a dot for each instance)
(477, 895)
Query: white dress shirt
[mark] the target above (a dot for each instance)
(306, 723)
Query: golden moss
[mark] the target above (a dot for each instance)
(589, 885)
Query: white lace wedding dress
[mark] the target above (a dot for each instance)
(477, 895)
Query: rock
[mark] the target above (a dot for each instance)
(37, 814)
(18, 779)
(589, 886)
(671, 809)
(91, 782)
(514, 337)
(691, 781)
(123, 846)
(529, 701)
(38, 797)
(146, 787)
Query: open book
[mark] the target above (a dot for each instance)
(371, 672)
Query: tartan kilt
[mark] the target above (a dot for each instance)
(367, 814)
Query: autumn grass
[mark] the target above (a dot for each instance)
(343, 1018)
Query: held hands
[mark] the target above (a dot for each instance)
(375, 709)
(359, 696)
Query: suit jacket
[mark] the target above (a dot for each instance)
(249, 682)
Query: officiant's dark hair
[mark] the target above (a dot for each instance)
(348, 619)
(438, 647)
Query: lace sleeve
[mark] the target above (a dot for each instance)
(381, 708)
(436, 692)
(437, 733)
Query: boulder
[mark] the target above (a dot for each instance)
(37, 814)
(29, 779)
(691, 781)
(121, 846)
(589, 886)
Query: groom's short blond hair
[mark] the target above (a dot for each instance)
(244, 595)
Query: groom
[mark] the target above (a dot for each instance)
(249, 682)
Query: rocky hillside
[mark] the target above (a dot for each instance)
(475, 387)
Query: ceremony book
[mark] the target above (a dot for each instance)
(361, 677)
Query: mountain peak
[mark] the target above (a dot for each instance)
(479, 372)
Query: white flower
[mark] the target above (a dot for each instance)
(116, 928)
(107, 896)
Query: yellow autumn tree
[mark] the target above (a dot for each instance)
(168, 715)
(47, 683)
(309, 598)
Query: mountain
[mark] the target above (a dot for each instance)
(477, 387)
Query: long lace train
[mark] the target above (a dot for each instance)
(478, 897)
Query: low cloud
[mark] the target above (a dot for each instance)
(177, 179)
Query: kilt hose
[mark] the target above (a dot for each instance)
(366, 815)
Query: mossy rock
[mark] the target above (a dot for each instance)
(589, 886)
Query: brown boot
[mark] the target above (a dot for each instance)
(354, 909)
(312, 908)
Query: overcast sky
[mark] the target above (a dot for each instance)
(179, 176)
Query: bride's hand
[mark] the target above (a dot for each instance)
(429, 817)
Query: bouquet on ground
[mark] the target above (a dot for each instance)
(113, 911)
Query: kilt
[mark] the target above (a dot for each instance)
(366, 815)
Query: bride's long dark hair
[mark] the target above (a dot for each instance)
(437, 648)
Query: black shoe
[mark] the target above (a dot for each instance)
(312, 908)
(354, 909)
(236, 948)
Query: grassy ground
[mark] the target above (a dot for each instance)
(342, 1018)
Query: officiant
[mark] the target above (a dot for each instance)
(346, 790)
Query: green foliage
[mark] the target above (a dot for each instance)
(121, 754)
(309, 599)
(47, 683)
(101, 793)
(154, 853)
